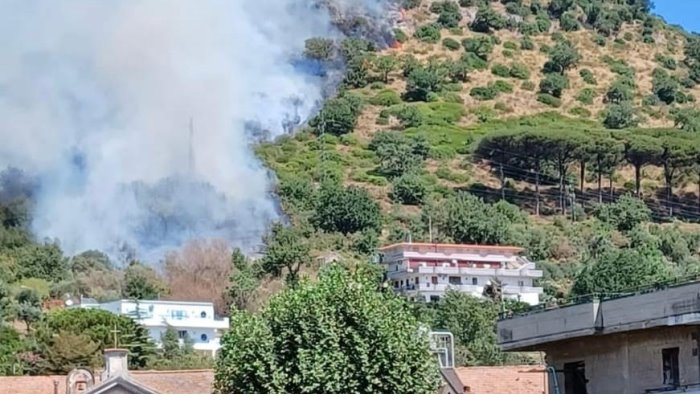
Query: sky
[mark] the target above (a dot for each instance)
(680, 12)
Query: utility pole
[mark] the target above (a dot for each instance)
(430, 227)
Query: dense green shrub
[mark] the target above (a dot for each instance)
(548, 99)
(568, 22)
(510, 45)
(527, 44)
(345, 210)
(502, 86)
(480, 46)
(619, 116)
(528, 85)
(500, 70)
(554, 84)
(586, 96)
(519, 71)
(587, 76)
(487, 19)
(580, 111)
(483, 93)
(400, 36)
(409, 189)
(386, 98)
(599, 40)
(428, 33)
(451, 44)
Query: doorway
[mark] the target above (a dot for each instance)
(575, 378)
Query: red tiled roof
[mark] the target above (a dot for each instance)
(520, 379)
(514, 249)
(165, 382)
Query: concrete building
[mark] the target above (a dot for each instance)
(193, 320)
(646, 342)
(427, 271)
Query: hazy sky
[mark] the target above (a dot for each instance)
(680, 12)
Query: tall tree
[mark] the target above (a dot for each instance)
(640, 150)
(243, 281)
(498, 148)
(606, 153)
(675, 155)
(562, 146)
(337, 335)
(286, 248)
(533, 145)
(141, 282)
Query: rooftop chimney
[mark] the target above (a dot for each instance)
(116, 363)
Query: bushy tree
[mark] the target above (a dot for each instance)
(618, 270)
(98, 325)
(141, 282)
(664, 86)
(286, 249)
(338, 116)
(563, 56)
(424, 80)
(28, 306)
(625, 213)
(554, 84)
(243, 281)
(487, 19)
(68, 350)
(472, 321)
(466, 218)
(43, 261)
(345, 210)
(319, 48)
(409, 189)
(619, 116)
(481, 46)
(338, 335)
(428, 33)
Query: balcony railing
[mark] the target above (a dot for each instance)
(442, 287)
(480, 271)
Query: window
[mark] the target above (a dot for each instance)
(434, 280)
(203, 337)
(203, 315)
(455, 280)
(575, 378)
(178, 314)
(434, 298)
(182, 334)
(521, 283)
(671, 374)
(475, 281)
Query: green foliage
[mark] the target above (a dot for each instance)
(451, 44)
(618, 92)
(527, 44)
(243, 280)
(483, 93)
(500, 70)
(98, 326)
(519, 71)
(501, 86)
(528, 85)
(580, 111)
(548, 99)
(409, 189)
(400, 35)
(619, 116)
(587, 76)
(286, 249)
(385, 65)
(449, 13)
(563, 56)
(338, 116)
(554, 84)
(472, 322)
(599, 40)
(386, 98)
(141, 283)
(510, 45)
(424, 80)
(687, 119)
(617, 270)
(664, 86)
(481, 46)
(625, 213)
(319, 48)
(429, 33)
(568, 22)
(28, 306)
(487, 19)
(586, 96)
(338, 335)
(666, 62)
(397, 154)
(345, 210)
(43, 261)
(468, 219)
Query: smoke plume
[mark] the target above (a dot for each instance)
(135, 116)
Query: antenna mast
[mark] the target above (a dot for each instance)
(190, 167)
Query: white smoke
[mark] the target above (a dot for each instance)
(96, 99)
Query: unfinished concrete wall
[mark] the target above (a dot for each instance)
(628, 363)
(547, 326)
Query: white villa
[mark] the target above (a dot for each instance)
(427, 271)
(195, 320)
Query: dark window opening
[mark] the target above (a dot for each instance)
(671, 371)
(455, 280)
(434, 298)
(575, 378)
(475, 281)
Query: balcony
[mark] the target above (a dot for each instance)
(526, 272)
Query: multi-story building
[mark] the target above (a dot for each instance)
(427, 271)
(193, 320)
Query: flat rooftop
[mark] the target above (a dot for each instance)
(433, 247)
(659, 306)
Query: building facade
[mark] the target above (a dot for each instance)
(633, 344)
(193, 320)
(426, 271)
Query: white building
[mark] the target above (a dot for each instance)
(427, 271)
(195, 320)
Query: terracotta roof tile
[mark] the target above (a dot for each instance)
(527, 379)
(165, 382)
